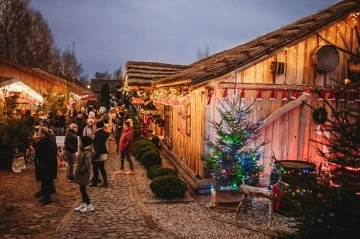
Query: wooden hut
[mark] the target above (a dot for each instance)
(33, 83)
(279, 71)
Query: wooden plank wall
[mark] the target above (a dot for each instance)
(290, 135)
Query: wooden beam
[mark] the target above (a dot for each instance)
(281, 111)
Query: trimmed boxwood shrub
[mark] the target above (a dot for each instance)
(139, 146)
(141, 150)
(157, 172)
(151, 158)
(168, 187)
(151, 169)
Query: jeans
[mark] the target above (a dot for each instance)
(99, 165)
(84, 195)
(70, 157)
(126, 155)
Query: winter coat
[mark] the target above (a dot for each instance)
(89, 131)
(127, 140)
(119, 121)
(71, 141)
(45, 159)
(81, 123)
(83, 168)
(60, 121)
(100, 140)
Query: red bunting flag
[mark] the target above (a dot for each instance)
(331, 96)
(242, 95)
(284, 95)
(307, 91)
(209, 97)
(341, 95)
(259, 95)
(321, 95)
(225, 94)
(295, 94)
(351, 97)
(273, 94)
(357, 97)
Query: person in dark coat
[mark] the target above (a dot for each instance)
(81, 123)
(100, 147)
(70, 148)
(82, 173)
(118, 122)
(46, 163)
(126, 146)
(60, 123)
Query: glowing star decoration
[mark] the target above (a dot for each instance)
(19, 86)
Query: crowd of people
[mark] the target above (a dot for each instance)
(86, 133)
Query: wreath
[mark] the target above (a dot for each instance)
(320, 115)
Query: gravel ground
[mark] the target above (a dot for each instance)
(193, 218)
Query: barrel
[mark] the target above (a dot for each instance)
(325, 58)
(300, 179)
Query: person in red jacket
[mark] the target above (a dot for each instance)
(126, 146)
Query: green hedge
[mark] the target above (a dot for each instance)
(151, 158)
(168, 187)
(155, 172)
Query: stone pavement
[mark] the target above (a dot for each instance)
(119, 211)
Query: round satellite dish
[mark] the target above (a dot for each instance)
(325, 58)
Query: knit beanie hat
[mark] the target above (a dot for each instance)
(86, 140)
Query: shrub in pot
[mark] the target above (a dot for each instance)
(151, 158)
(158, 172)
(168, 187)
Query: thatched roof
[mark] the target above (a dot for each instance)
(226, 61)
(145, 73)
(96, 84)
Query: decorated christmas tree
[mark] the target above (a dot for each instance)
(234, 152)
(336, 213)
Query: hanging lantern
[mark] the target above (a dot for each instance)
(341, 95)
(273, 94)
(284, 95)
(259, 94)
(357, 97)
(321, 95)
(351, 97)
(295, 94)
(225, 94)
(307, 91)
(331, 96)
(242, 95)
